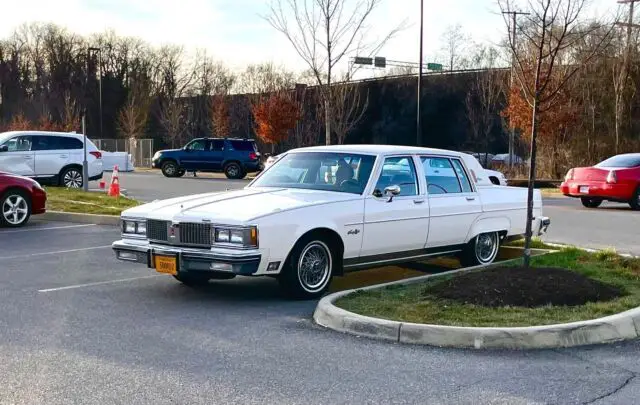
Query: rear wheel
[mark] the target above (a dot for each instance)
(15, 208)
(483, 249)
(234, 171)
(591, 202)
(71, 178)
(635, 200)
(170, 169)
(309, 268)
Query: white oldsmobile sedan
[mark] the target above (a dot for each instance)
(381, 205)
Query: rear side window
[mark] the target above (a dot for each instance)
(42, 143)
(440, 175)
(462, 175)
(70, 143)
(243, 146)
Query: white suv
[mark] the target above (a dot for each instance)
(49, 156)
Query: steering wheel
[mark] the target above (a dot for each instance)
(349, 182)
(440, 187)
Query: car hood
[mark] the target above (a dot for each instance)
(238, 207)
(169, 151)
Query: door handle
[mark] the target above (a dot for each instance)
(64, 156)
(28, 157)
(471, 198)
(418, 201)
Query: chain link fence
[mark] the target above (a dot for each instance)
(140, 150)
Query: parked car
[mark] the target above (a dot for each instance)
(235, 157)
(52, 157)
(397, 204)
(503, 160)
(615, 179)
(20, 197)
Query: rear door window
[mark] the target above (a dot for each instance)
(69, 143)
(440, 175)
(217, 145)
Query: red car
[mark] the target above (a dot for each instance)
(20, 197)
(615, 179)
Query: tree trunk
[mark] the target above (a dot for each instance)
(532, 179)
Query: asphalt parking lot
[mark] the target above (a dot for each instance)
(611, 226)
(77, 326)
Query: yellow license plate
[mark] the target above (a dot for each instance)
(166, 265)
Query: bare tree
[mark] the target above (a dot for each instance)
(323, 33)
(483, 105)
(544, 66)
(349, 105)
(172, 104)
(264, 78)
(133, 117)
(454, 46)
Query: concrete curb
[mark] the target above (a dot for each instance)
(609, 329)
(111, 220)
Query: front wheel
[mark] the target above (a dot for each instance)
(15, 207)
(635, 200)
(309, 269)
(481, 250)
(591, 202)
(170, 169)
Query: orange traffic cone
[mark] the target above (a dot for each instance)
(114, 186)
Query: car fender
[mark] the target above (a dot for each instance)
(491, 224)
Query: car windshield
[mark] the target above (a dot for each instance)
(621, 161)
(340, 172)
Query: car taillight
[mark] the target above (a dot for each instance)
(569, 175)
(253, 156)
(612, 177)
(97, 154)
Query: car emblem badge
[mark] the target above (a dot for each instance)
(353, 232)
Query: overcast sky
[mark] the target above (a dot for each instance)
(233, 30)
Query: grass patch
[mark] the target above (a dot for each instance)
(413, 303)
(536, 243)
(78, 201)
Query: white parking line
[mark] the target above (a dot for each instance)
(52, 228)
(54, 253)
(72, 287)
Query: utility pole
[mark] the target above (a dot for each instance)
(514, 32)
(624, 70)
(419, 117)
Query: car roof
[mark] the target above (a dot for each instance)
(378, 150)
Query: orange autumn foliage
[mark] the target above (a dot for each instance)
(220, 116)
(275, 116)
(553, 119)
(19, 123)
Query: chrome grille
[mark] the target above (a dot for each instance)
(157, 230)
(195, 234)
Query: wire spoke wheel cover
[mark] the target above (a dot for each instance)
(72, 179)
(486, 247)
(15, 209)
(314, 267)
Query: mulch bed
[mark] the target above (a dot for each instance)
(517, 287)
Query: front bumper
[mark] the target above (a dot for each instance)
(189, 260)
(544, 225)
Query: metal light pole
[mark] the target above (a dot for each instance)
(99, 50)
(419, 118)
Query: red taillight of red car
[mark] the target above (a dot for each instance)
(612, 177)
(97, 154)
(569, 175)
(253, 156)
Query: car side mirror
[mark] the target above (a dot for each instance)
(389, 192)
(4, 148)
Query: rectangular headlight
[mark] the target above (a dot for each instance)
(134, 227)
(244, 237)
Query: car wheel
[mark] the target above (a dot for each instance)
(234, 171)
(170, 169)
(483, 249)
(635, 201)
(309, 269)
(71, 178)
(591, 202)
(193, 280)
(15, 207)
